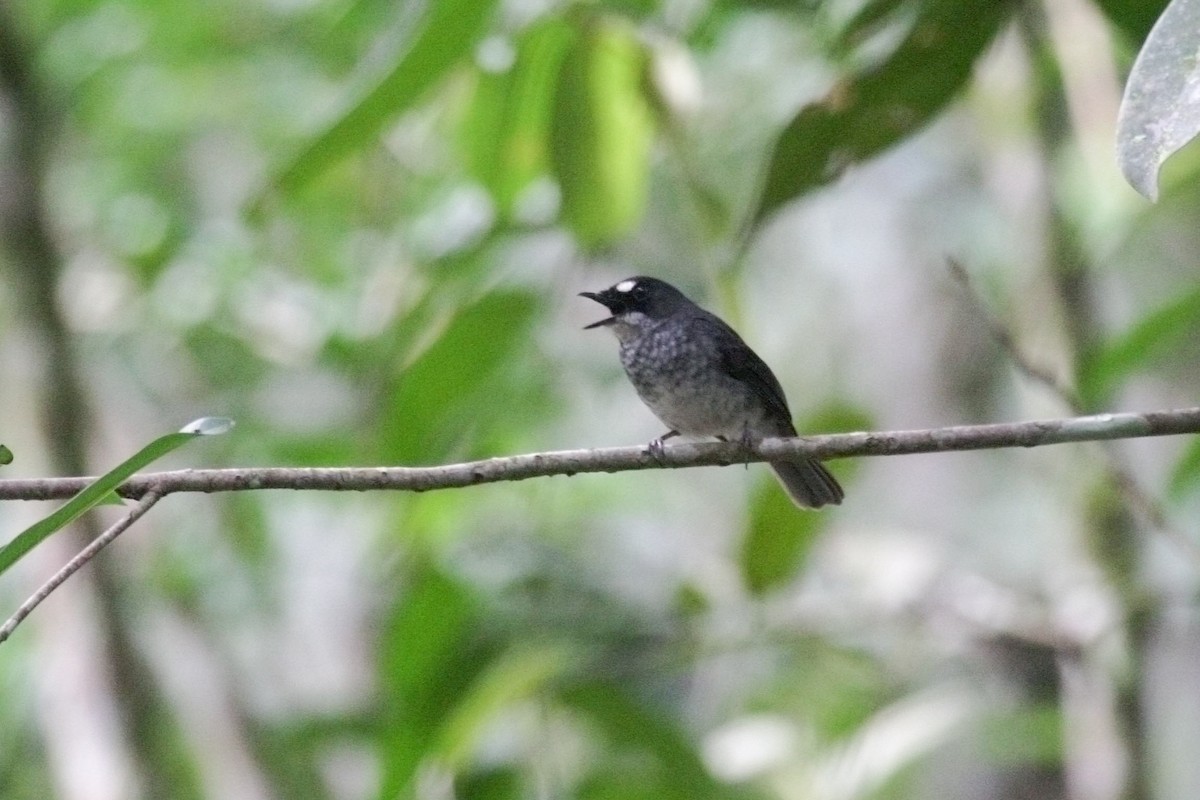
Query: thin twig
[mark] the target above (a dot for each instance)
(1137, 496)
(148, 499)
(619, 459)
(999, 331)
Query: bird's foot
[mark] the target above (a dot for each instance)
(746, 442)
(656, 445)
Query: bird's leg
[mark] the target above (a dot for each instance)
(656, 445)
(747, 442)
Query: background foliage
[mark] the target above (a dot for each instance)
(358, 227)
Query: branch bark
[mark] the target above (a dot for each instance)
(1097, 427)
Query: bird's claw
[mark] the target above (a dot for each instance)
(655, 447)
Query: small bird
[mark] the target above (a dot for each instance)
(700, 379)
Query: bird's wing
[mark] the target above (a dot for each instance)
(744, 365)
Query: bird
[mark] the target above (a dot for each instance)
(701, 379)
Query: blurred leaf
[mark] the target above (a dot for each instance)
(445, 680)
(507, 133)
(1186, 474)
(448, 34)
(778, 540)
(832, 688)
(102, 488)
(1134, 17)
(503, 783)
(1160, 111)
(224, 360)
(884, 104)
(779, 535)
(1161, 332)
(632, 725)
(632, 780)
(513, 676)
(836, 417)
(602, 132)
(246, 530)
(429, 411)
(325, 447)
(6, 455)
(869, 17)
(690, 601)
(1030, 735)
(432, 648)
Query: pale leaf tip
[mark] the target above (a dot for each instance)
(208, 426)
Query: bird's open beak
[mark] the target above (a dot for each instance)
(599, 298)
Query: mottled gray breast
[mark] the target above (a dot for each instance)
(680, 368)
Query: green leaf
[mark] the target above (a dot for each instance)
(1134, 17)
(1186, 474)
(448, 33)
(632, 725)
(1160, 111)
(432, 649)
(1028, 735)
(780, 536)
(884, 104)
(444, 679)
(833, 689)
(1160, 333)
(496, 783)
(602, 132)
(778, 540)
(6, 455)
(511, 677)
(102, 488)
(437, 395)
(867, 20)
(507, 132)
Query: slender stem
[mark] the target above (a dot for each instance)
(75, 564)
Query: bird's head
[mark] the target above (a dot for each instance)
(637, 300)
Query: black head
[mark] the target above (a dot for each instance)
(650, 297)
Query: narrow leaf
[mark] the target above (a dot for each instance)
(602, 132)
(1161, 332)
(449, 32)
(432, 649)
(778, 539)
(882, 105)
(1160, 111)
(780, 536)
(511, 677)
(630, 724)
(101, 490)
(1134, 17)
(507, 135)
(434, 401)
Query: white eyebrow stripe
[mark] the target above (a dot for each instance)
(626, 286)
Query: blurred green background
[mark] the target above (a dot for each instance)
(359, 227)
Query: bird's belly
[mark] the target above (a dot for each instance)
(700, 408)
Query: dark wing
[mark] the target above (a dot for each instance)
(744, 365)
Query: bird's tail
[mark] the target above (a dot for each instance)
(808, 483)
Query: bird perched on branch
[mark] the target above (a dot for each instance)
(700, 379)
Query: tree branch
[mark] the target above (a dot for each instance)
(75, 564)
(619, 459)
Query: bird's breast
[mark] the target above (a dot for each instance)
(680, 378)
